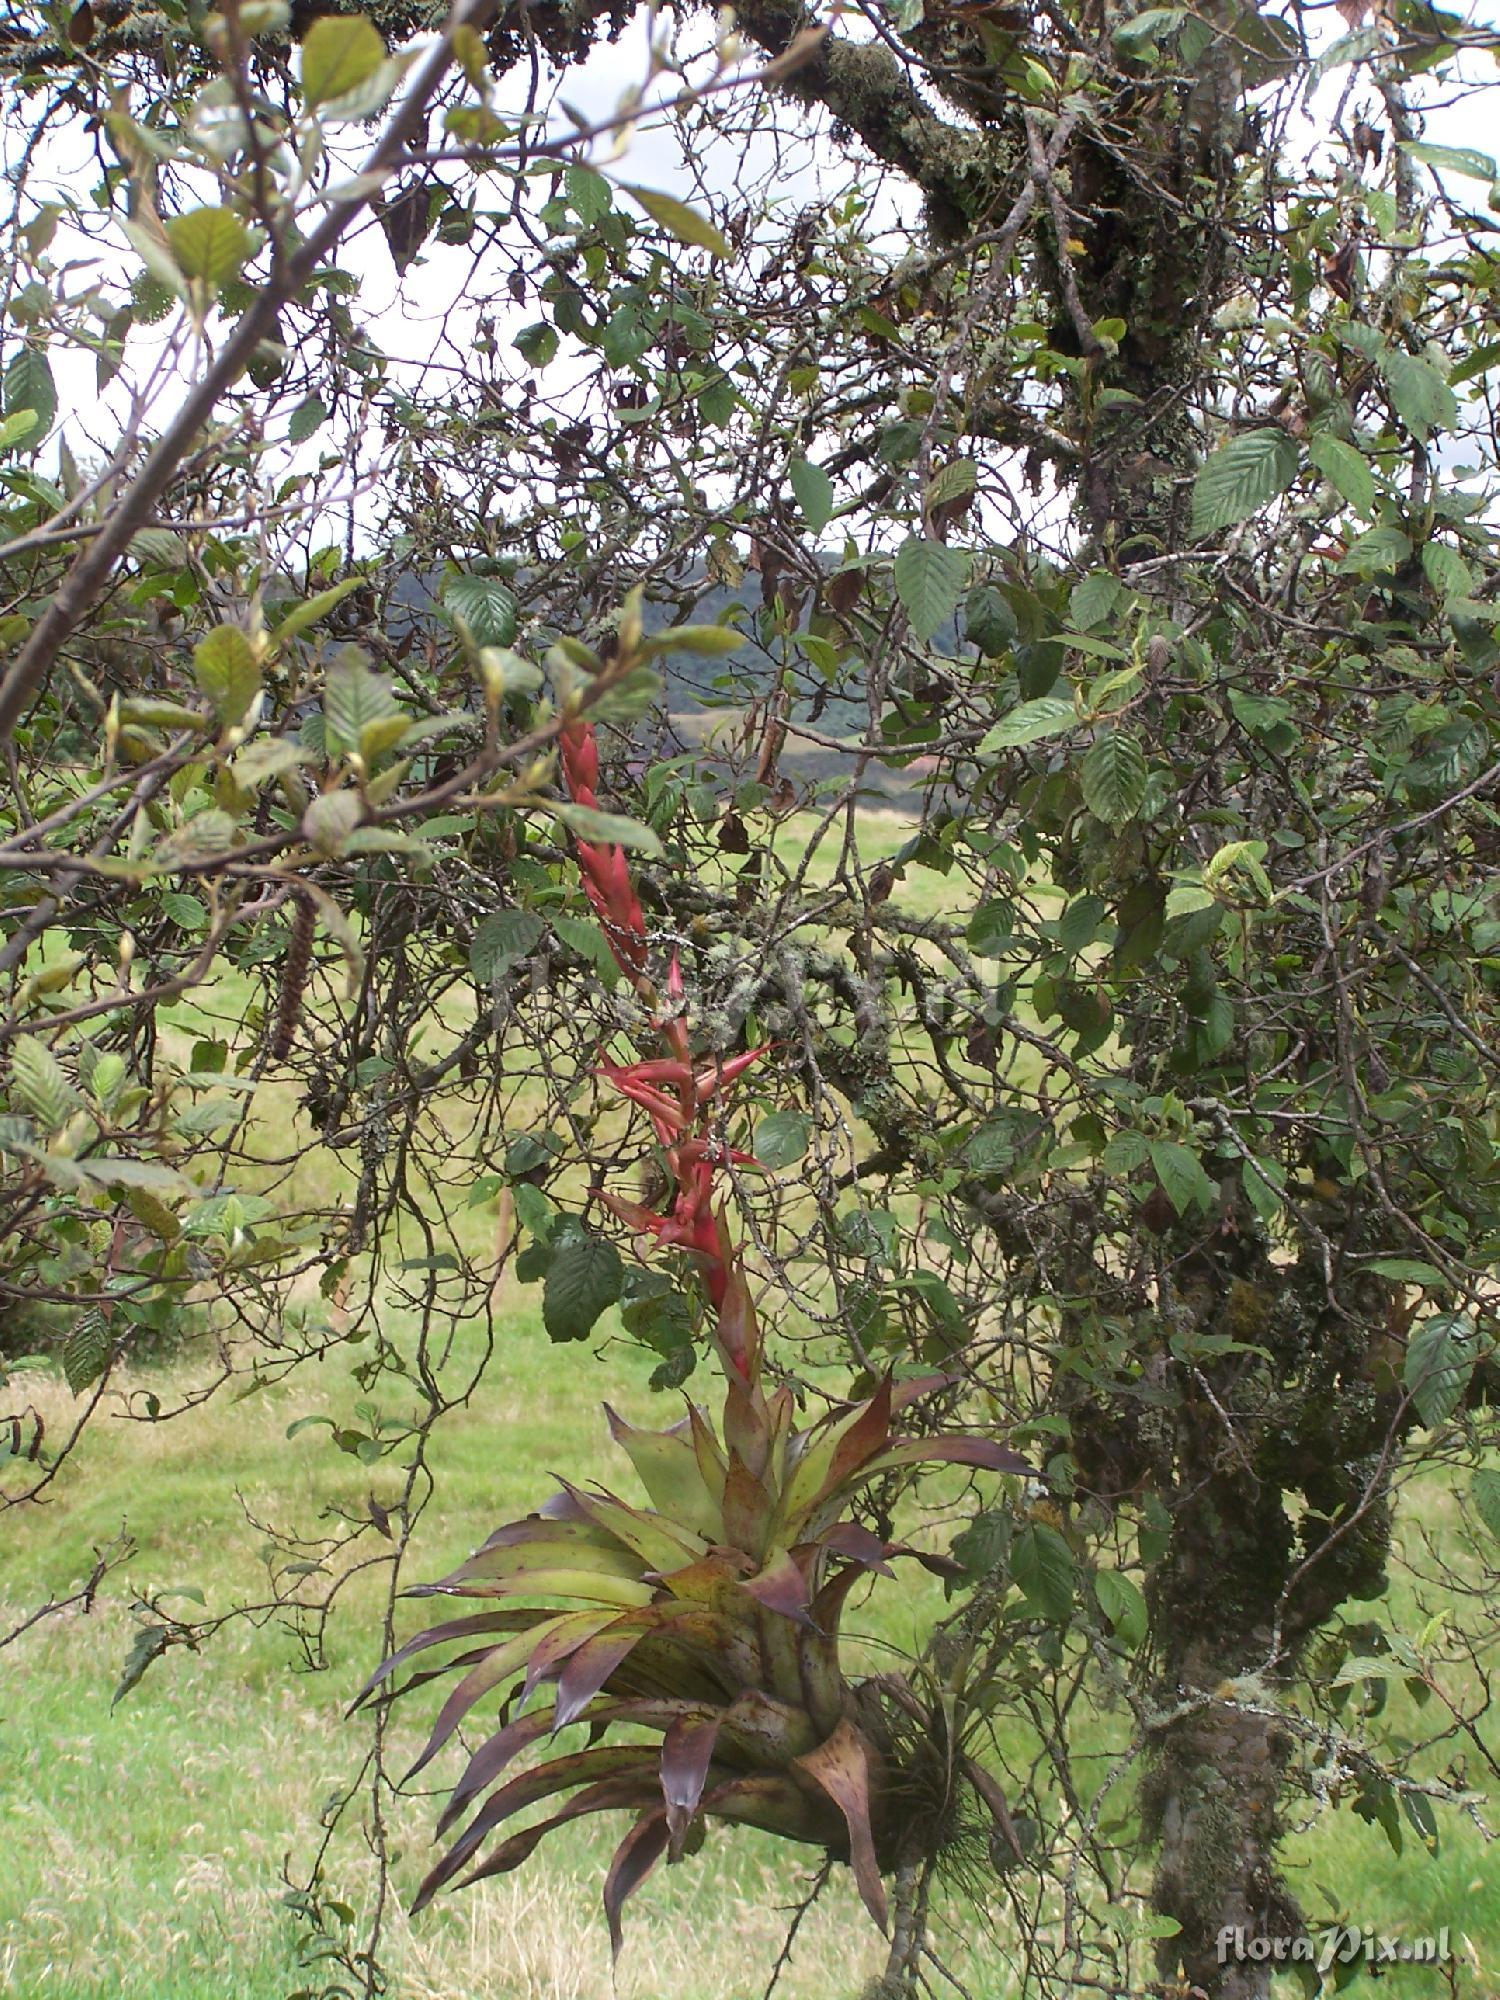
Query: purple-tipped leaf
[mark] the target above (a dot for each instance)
(977, 1451)
(686, 1753)
(591, 1666)
(781, 1586)
(841, 1765)
(634, 1858)
(499, 1664)
(609, 1796)
(556, 1774)
(451, 1628)
(858, 1545)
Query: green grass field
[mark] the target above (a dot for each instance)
(145, 1844)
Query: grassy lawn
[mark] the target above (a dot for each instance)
(146, 1842)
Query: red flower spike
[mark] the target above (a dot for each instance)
(605, 870)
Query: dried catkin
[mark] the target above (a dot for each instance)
(294, 971)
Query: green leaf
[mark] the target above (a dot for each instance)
(1042, 1565)
(714, 641)
(1377, 552)
(1439, 1362)
(29, 387)
(353, 698)
(227, 671)
(1094, 599)
(1446, 570)
(211, 244)
(781, 1138)
(1081, 923)
(205, 837)
(1409, 1270)
(38, 1084)
(536, 343)
(1238, 857)
(608, 829)
(588, 193)
(1345, 469)
(19, 424)
(1181, 1174)
(185, 910)
(1463, 160)
(1423, 400)
(584, 1278)
(1113, 778)
(1122, 1603)
(957, 480)
(502, 940)
(1240, 476)
(1485, 1489)
(585, 937)
(1048, 715)
(814, 491)
(86, 1352)
(312, 609)
(929, 581)
(486, 605)
(1262, 1181)
(149, 1643)
(339, 55)
(308, 417)
(992, 928)
(680, 221)
(330, 820)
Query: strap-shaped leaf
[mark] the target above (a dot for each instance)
(607, 1796)
(452, 1628)
(828, 1461)
(668, 1468)
(981, 1452)
(599, 1553)
(634, 1858)
(588, 1586)
(591, 1666)
(686, 1752)
(841, 1765)
(492, 1757)
(557, 1774)
(500, 1663)
(559, 1645)
(656, 1541)
(858, 1545)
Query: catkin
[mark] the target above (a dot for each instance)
(294, 972)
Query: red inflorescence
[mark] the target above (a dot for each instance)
(677, 1092)
(606, 872)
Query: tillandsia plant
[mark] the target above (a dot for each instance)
(709, 1618)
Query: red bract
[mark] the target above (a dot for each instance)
(605, 870)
